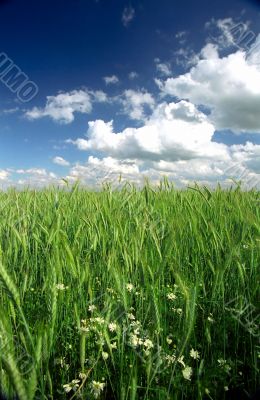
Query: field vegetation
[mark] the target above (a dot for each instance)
(129, 294)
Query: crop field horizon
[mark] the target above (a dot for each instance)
(127, 294)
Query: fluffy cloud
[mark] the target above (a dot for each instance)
(229, 86)
(175, 141)
(99, 96)
(96, 171)
(61, 108)
(193, 169)
(60, 161)
(135, 102)
(128, 15)
(37, 177)
(4, 175)
(164, 69)
(247, 156)
(114, 165)
(111, 80)
(186, 57)
(174, 131)
(208, 172)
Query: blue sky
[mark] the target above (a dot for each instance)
(179, 80)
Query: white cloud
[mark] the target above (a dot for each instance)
(193, 169)
(175, 142)
(175, 131)
(128, 15)
(228, 33)
(186, 57)
(33, 171)
(10, 110)
(243, 163)
(4, 175)
(37, 177)
(114, 165)
(133, 75)
(210, 51)
(99, 96)
(247, 156)
(183, 172)
(229, 86)
(253, 54)
(111, 80)
(181, 36)
(61, 108)
(136, 103)
(95, 171)
(175, 139)
(60, 161)
(163, 68)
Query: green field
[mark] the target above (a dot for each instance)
(129, 294)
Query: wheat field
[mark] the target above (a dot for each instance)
(129, 294)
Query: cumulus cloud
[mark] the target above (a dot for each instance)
(164, 69)
(136, 103)
(33, 171)
(97, 170)
(60, 161)
(114, 165)
(111, 80)
(183, 172)
(186, 57)
(208, 52)
(61, 108)
(229, 86)
(193, 169)
(174, 139)
(128, 15)
(173, 132)
(99, 96)
(37, 177)
(247, 155)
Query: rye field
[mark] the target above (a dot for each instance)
(149, 294)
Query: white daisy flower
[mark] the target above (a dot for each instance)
(194, 354)
(97, 388)
(187, 372)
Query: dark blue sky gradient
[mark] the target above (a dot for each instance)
(70, 44)
(62, 44)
